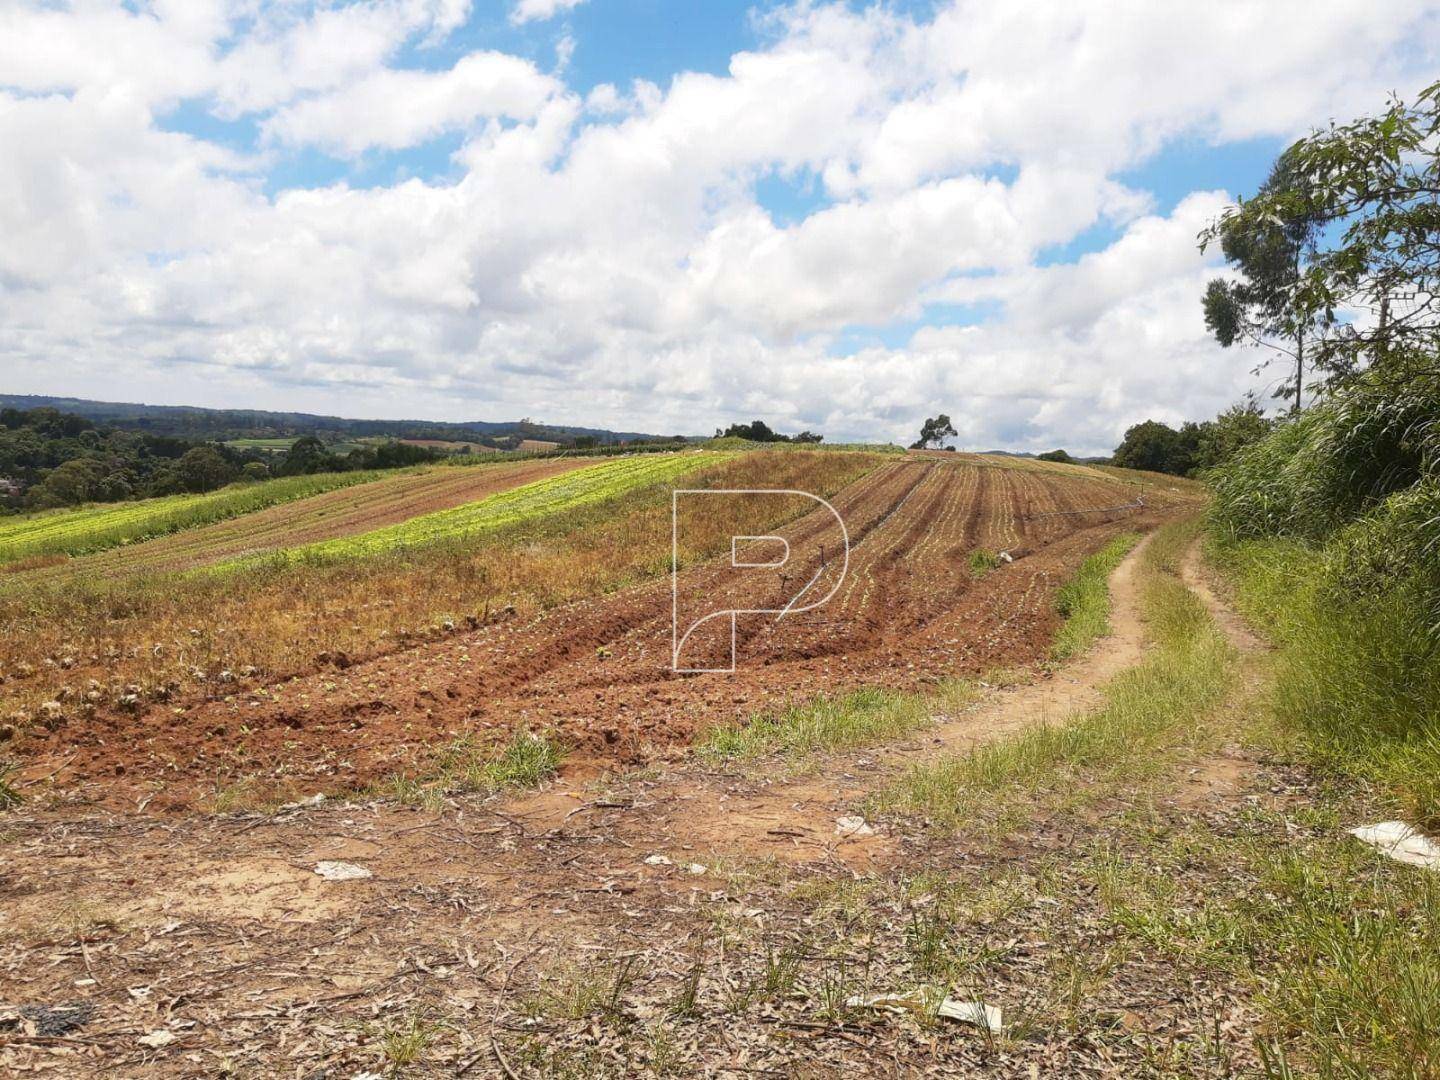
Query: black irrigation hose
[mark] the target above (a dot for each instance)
(1138, 504)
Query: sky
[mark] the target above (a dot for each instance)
(657, 215)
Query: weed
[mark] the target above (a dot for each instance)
(982, 562)
(404, 1041)
(782, 972)
(927, 940)
(9, 794)
(687, 998)
(835, 989)
(861, 718)
(663, 1051)
(596, 989)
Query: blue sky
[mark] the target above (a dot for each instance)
(856, 215)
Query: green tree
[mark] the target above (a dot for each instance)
(307, 455)
(935, 431)
(1380, 177)
(1233, 430)
(755, 431)
(1158, 447)
(203, 468)
(1056, 455)
(70, 483)
(1270, 250)
(255, 470)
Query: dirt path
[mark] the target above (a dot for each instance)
(1193, 574)
(794, 820)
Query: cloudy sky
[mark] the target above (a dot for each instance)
(659, 215)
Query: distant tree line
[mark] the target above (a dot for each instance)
(49, 458)
(222, 425)
(759, 431)
(1193, 447)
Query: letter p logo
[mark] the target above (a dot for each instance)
(765, 575)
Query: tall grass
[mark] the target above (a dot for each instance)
(1357, 679)
(1331, 528)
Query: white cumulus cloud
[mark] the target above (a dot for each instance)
(538, 10)
(606, 257)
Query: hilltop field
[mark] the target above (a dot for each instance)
(334, 634)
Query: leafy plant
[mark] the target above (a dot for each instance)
(80, 532)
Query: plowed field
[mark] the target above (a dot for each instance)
(909, 608)
(335, 514)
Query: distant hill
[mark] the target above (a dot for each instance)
(1101, 460)
(193, 422)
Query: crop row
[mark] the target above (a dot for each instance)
(605, 480)
(95, 528)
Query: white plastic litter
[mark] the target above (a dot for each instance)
(977, 1013)
(341, 871)
(697, 868)
(1401, 843)
(852, 826)
(156, 1039)
(657, 860)
(313, 800)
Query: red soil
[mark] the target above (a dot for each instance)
(910, 610)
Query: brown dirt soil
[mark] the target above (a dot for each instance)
(345, 512)
(910, 610)
(216, 930)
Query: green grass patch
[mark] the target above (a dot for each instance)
(1084, 600)
(1338, 947)
(1357, 678)
(9, 793)
(526, 761)
(1186, 675)
(982, 562)
(95, 528)
(268, 445)
(834, 722)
